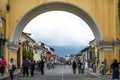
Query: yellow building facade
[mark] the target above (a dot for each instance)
(101, 16)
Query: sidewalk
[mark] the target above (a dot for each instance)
(105, 77)
(6, 75)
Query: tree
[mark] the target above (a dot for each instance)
(30, 55)
(25, 54)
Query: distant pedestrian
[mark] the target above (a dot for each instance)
(29, 66)
(86, 64)
(3, 61)
(115, 70)
(79, 66)
(42, 66)
(94, 67)
(82, 67)
(32, 68)
(74, 66)
(25, 67)
(48, 65)
(102, 68)
(37, 66)
(12, 67)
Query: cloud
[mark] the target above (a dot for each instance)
(59, 28)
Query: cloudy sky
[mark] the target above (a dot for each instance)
(58, 28)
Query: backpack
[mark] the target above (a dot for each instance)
(14, 67)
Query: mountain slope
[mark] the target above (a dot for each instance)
(64, 50)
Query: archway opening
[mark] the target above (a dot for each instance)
(60, 29)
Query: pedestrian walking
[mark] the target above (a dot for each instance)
(32, 68)
(79, 66)
(48, 65)
(94, 67)
(37, 66)
(82, 67)
(3, 62)
(42, 66)
(86, 64)
(12, 67)
(115, 70)
(29, 66)
(74, 66)
(25, 67)
(102, 68)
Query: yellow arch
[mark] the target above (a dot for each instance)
(55, 6)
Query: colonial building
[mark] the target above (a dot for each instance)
(37, 51)
(40, 52)
(26, 48)
(86, 54)
(45, 52)
(49, 53)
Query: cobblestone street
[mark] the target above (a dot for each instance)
(59, 73)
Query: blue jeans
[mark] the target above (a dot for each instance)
(11, 72)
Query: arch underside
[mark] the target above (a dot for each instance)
(52, 6)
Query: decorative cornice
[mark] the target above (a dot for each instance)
(105, 46)
(116, 42)
(12, 47)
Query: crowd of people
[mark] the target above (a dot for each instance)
(80, 65)
(85, 65)
(102, 68)
(29, 66)
(32, 66)
(11, 66)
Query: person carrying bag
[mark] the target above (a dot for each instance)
(12, 68)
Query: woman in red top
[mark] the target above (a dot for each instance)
(3, 61)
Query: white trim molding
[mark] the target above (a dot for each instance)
(12, 47)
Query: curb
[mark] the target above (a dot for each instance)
(105, 77)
